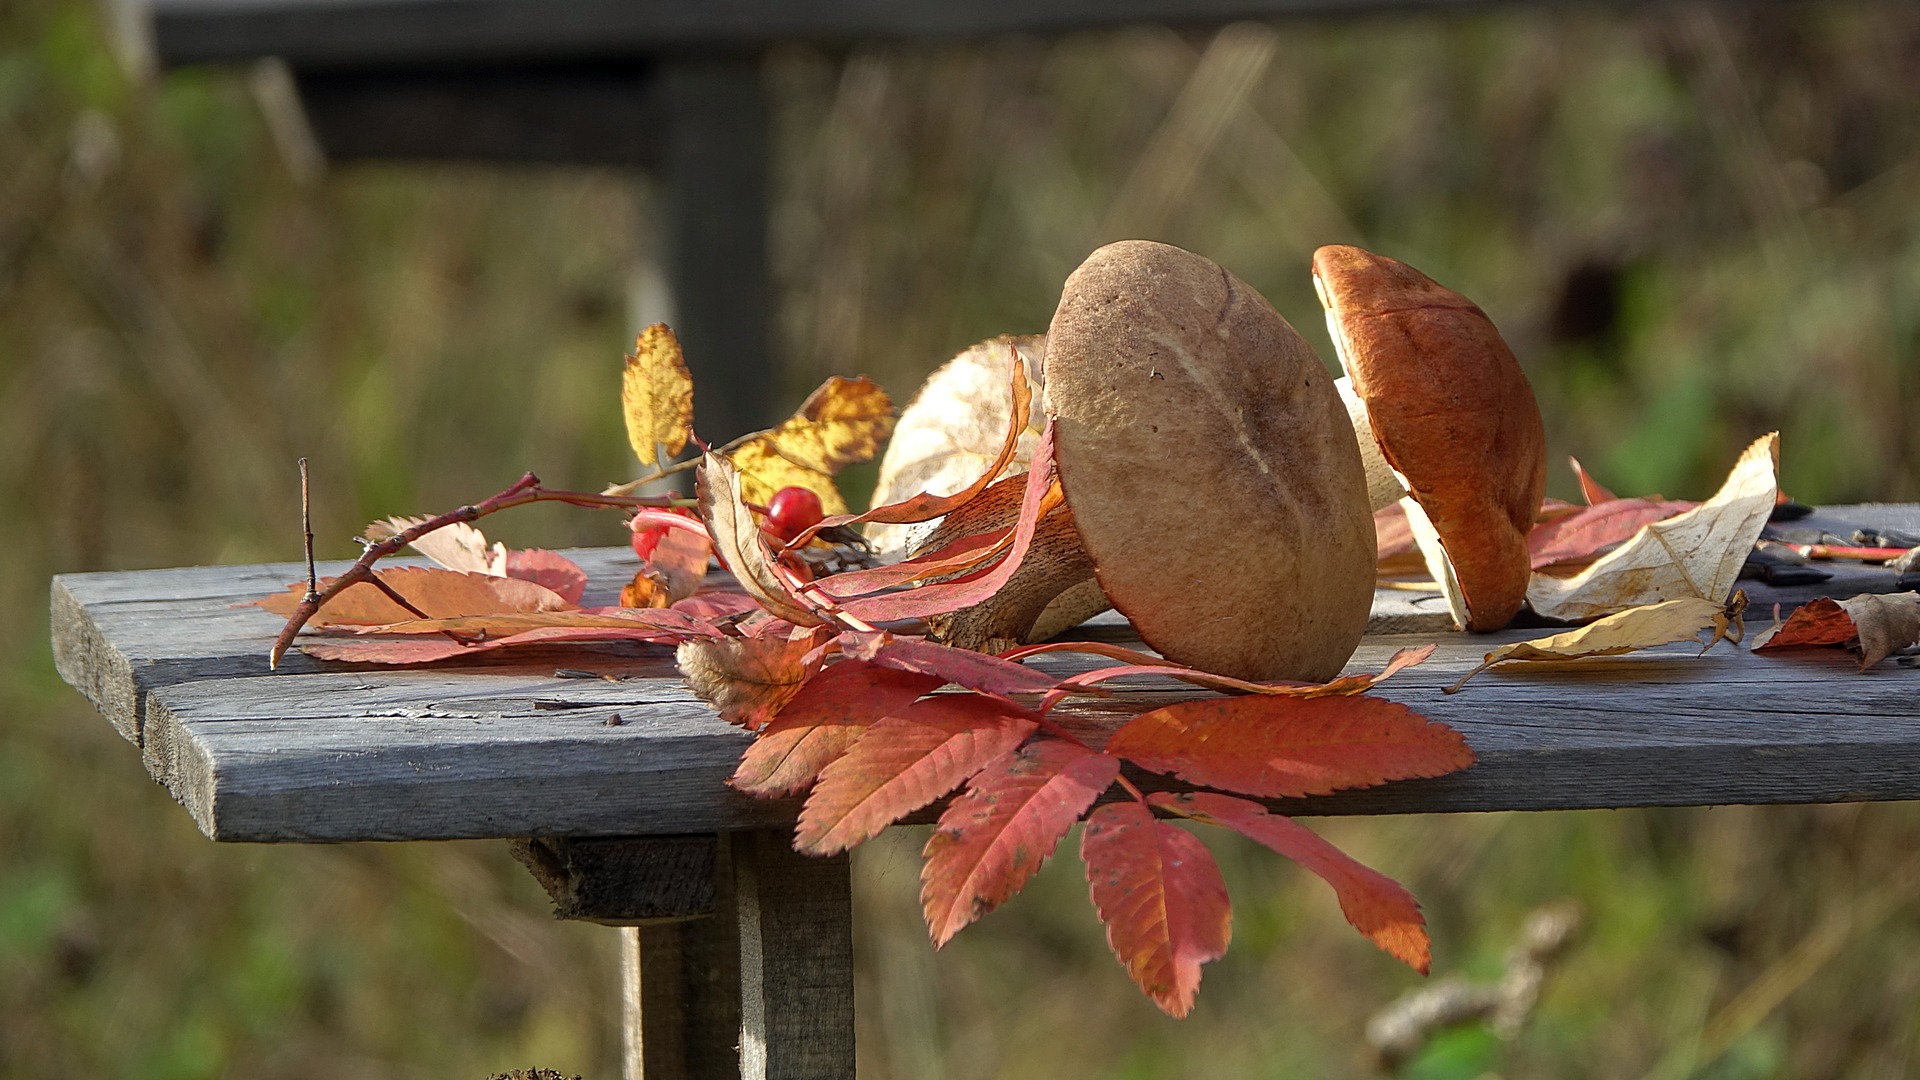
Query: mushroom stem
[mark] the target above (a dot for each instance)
(1385, 485)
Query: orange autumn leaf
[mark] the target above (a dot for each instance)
(1161, 896)
(1590, 489)
(993, 839)
(439, 593)
(901, 764)
(844, 422)
(1373, 903)
(828, 715)
(656, 395)
(748, 680)
(1290, 746)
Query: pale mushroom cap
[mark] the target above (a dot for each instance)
(1210, 466)
(1452, 413)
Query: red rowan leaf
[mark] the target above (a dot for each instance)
(1345, 685)
(964, 554)
(1043, 494)
(993, 839)
(748, 680)
(1587, 533)
(963, 667)
(1373, 903)
(716, 604)
(509, 623)
(681, 558)
(418, 650)
(901, 764)
(822, 722)
(439, 593)
(1161, 897)
(549, 568)
(1590, 489)
(1290, 746)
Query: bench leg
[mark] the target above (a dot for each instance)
(763, 989)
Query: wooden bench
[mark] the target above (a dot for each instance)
(612, 790)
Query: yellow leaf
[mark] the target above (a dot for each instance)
(1697, 554)
(1635, 628)
(656, 394)
(844, 422)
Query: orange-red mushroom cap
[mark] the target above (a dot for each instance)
(1452, 413)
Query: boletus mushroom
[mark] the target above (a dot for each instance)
(1448, 425)
(1210, 468)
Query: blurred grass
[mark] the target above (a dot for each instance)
(1693, 227)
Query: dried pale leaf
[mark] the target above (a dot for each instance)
(962, 431)
(439, 593)
(458, 546)
(1696, 555)
(737, 539)
(1161, 896)
(842, 423)
(1636, 628)
(747, 680)
(656, 395)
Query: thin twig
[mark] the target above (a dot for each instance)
(306, 525)
(525, 490)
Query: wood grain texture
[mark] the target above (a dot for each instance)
(505, 748)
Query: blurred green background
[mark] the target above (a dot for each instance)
(1694, 225)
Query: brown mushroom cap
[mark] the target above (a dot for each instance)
(1210, 466)
(1452, 413)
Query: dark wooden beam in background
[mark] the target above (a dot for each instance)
(313, 33)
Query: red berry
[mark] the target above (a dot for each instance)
(792, 511)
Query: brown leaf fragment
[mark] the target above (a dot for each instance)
(748, 679)
(439, 593)
(656, 395)
(1887, 624)
(1626, 631)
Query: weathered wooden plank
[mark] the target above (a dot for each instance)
(624, 881)
(335, 32)
(506, 748)
(795, 915)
